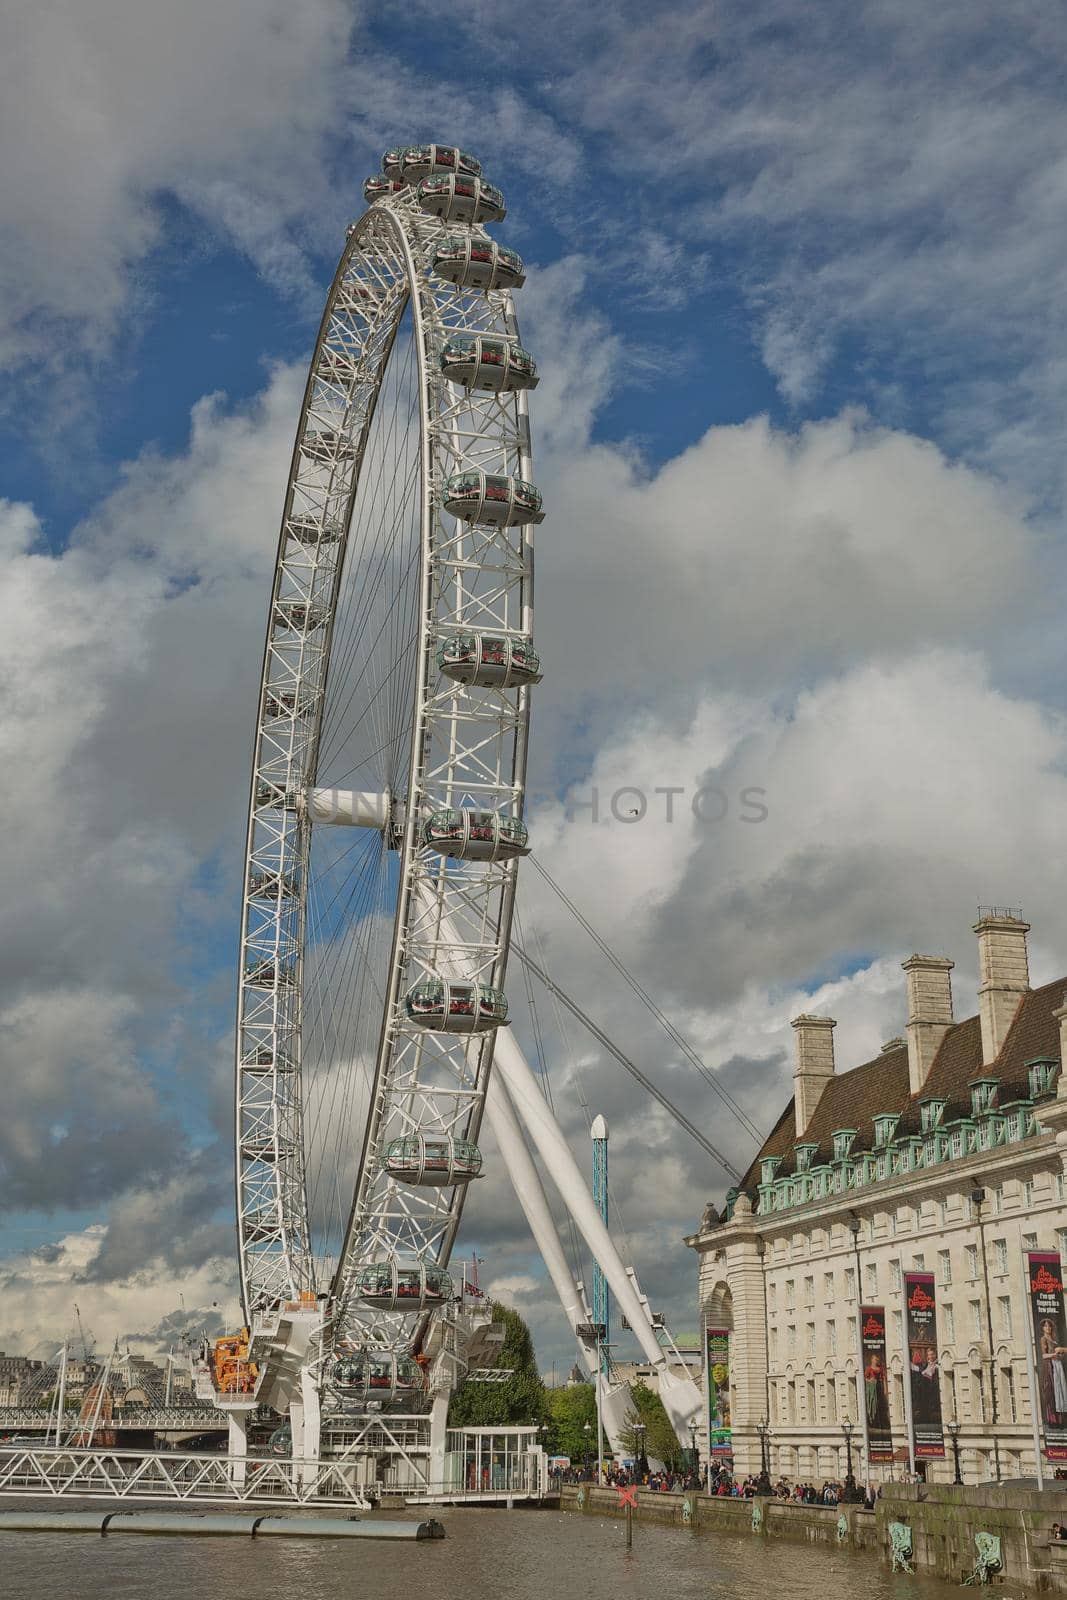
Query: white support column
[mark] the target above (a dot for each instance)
(681, 1397)
(237, 1431)
(309, 1397)
(438, 1441)
(615, 1400)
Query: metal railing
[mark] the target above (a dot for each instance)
(62, 1473)
(156, 1418)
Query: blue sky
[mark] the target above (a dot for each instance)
(796, 289)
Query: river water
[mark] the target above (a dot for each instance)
(487, 1555)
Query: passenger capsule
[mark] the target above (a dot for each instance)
(393, 161)
(433, 1160)
(378, 188)
(285, 703)
(264, 1058)
(298, 616)
(310, 531)
(476, 835)
(267, 974)
(473, 263)
(402, 1285)
(271, 885)
(280, 1442)
(486, 361)
(337, 366)
(461, 199)
(377, 1375)
(263, 1147)
(327, 445)
(489, 660)
(454, 1005)
(422, 160)
(274, 794)
(479, 496)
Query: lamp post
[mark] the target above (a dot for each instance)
(640, 1459)
(763, 1482)
(694, 1456)
(850, 1492)
(977, 1201)
(954, 1431)
(587, 1430)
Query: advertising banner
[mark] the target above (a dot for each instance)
(717, 1365)
(1045, 1281)
(876, 1424)
(924, 1371)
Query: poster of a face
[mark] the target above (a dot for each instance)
(875, 1383)
(717, 1356)
(924, 1374)
(1045, 1280)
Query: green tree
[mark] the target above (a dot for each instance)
(661, 1441)
(569, 1409)
(520, 1399)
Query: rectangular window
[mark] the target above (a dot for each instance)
(891, 1221)
(1028, 1193)
(1000, 1254)
(944, 1268)
(898, 1389)
(809, 1291)
(1061, 1187)
(950, 1323)
(850, 1283)
(972, 1261)
(1029, 1241)
(919, 1262)
(828, 1287)
(942, 1208)
(811, 1338)
(976, 1319)
(813, 1412)
(1061, 1243)
(854, 1399)
(831, 1398)
(831, 1334)
(870, 1278)
(791, 1340)
(789, 1294)
(996, 1201)
(953, 1398)
(894, 1276)
(1007, 1394)
(1004, 1316)
(978, 1391)
(792, 1393)
(898, 1328)
(774, 1347)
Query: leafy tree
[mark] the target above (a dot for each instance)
(661, 1441)
(519, 1400)
(569, 1409)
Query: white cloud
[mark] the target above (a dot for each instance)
(107, 110)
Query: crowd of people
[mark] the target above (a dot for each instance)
(714, 1480)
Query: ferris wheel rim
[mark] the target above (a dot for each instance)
(413, 297)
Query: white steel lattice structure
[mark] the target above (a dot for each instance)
(385, 819)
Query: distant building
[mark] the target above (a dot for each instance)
(943, 1154)
(16, 1373)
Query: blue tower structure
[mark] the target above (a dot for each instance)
(601, 1297)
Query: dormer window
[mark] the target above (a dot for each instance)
(932, 1112)
(1042, 1073)
(769, 1168)
(843, 1138)
(803, 1154)
(983, 1096)
(885, 1125)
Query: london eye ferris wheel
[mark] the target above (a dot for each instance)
(386, 814)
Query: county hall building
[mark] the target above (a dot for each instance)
(943, 1155)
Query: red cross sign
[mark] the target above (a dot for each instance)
(628, 1496)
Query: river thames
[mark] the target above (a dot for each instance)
(517, 1555)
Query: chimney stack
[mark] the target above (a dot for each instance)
(929, 1013)
(1003, 973)
(814, 1065)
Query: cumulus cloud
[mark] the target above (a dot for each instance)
(107, 111)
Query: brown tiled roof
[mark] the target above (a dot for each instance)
(853, 1099)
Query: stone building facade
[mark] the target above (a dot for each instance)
(944, 1154)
